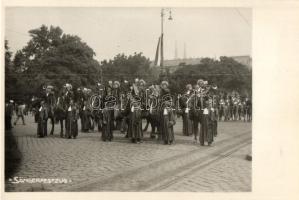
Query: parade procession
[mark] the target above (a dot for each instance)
(125, 106)
(129, 103)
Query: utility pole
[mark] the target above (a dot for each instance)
(162, 36)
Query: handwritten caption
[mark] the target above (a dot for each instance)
(17, 180)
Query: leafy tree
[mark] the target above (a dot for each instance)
(129, 67)
(9, 81)
(8, 55)
(53, 57)
(226, 73)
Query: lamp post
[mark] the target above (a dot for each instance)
(162, 34)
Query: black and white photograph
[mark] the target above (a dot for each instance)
(128, 99)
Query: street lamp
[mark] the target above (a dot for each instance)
(162, 33)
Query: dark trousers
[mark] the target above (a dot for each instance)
(42, 128)
(214, 128)
(195, 125)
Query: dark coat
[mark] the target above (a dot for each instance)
(72, 122)
(167, 121)
(42, 116)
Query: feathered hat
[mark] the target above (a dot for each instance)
(68, 86)
(142, 82)
(188, 86)
(117, 83)
(164, 83)
(200, 82)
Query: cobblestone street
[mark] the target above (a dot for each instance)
(93, 165)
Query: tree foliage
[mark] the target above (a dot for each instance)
(53, 57)
(9, 81)
(129, 67)
(226, 73)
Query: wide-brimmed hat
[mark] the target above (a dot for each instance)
(49, 87)
(164, 83)
(117, 83)
(86, 90)
(141, 81)
(188, 86)
(200, 81)
(214, 87)
(68, 86)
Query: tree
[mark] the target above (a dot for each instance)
(53, 57)
(226, 73)
(10, 80)
(128, 67)
(8, 55)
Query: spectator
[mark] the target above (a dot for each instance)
(20, 113)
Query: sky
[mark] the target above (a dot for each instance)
(206, 32)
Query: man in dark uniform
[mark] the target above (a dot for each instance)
(124, 95)
(185, 105)
(135, 121)
(109, 88)
(117, 112)
(42, 120)
(97, 104)
(72, 121)
(107, 130)
(195, 112)
(50, 102)
(167, 121)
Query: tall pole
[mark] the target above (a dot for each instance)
(162, 38)
(162, 33)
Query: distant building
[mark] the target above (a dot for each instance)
(175, 64)
(245, 60)
(180, 62)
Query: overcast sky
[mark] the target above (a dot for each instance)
(210, 32)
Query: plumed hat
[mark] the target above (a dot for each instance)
(49, 87)
(200, 81)
(188, 86)
(141, 81)
(68, 86)
(165, 83)
(117, 83)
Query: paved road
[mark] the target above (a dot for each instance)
(93, 165)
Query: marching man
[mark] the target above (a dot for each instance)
(42, 120)
(72, 121)
(167, 122)
(187, 123)
(135, 121)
